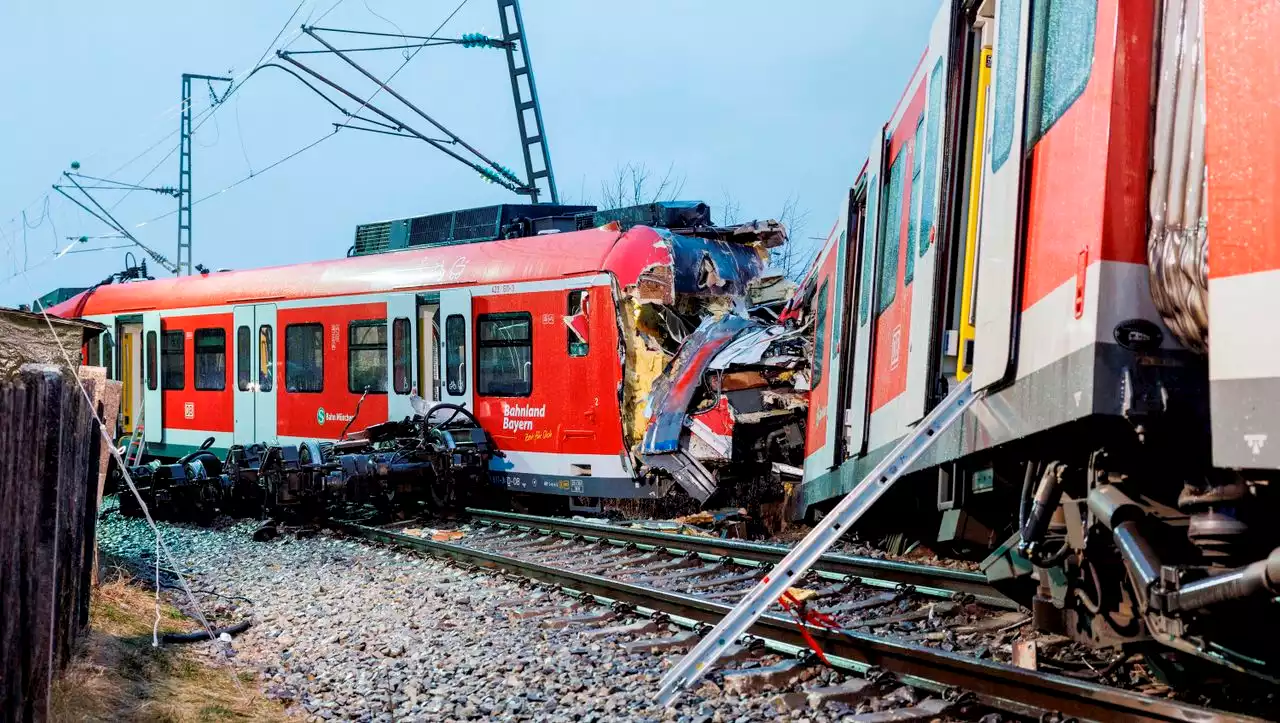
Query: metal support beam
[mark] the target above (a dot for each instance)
(543, 178)
(184, 170)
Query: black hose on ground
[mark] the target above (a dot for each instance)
(201, 635)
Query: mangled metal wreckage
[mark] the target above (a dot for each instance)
(715, 389)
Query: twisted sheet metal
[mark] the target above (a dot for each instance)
(1178, 245)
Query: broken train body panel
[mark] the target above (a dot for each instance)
(536, 335)
(1048, 211)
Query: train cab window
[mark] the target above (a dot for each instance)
(505, 350)
(575, 322)
(266, 359)
(887, 280)
(152, 377)
(244, 375)
(173, 361)
(108, 354)
(211, 360)
(304, 358)
(91, 352)
(455, 354)
(367, 356)
(402, 350)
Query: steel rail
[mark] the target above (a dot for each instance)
(936, 581)
(1004, 687)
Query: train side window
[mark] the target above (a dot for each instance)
(367, 356)
(108, 354)
(892, 235)
(575, 322)
(173, 360)
(304, 358)
(266, 358)
(504, 344)
(243, 374)
(91, 352)
(1063, 41)
(929, 202)
(869, 229)
(455, 354)
(153, 378)
(402, 351)
(1008, 56)
(820, 337)
(211, 360)
(917, 178)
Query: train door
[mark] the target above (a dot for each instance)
(401, 309)
(857, 416)
(927, 322)
(131, 377)
(152, 395)
(455, 347)
(256, 373)
(973, 202)
(996, 306)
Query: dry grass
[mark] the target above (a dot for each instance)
(119, 676)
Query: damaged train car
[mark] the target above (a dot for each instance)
(621, 354)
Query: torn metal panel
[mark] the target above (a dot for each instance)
(713, 267)
(767, 345)
(711, 432)
(672, 393)
(688, 472)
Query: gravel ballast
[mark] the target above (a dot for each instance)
(346, 631)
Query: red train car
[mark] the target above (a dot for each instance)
(1068, 198)
(526, 332)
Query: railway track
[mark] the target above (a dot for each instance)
(570, 556)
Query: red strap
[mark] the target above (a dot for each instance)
(804, 615)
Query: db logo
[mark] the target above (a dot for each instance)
(320, 416)
(189, 410)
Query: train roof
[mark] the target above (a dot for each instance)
(505, 261)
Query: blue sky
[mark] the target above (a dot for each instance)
(753, 100)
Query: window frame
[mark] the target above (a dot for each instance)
(353, 348)
(152, 361)
(244, 358)
(481, 345)
(822, 309)
(582, 297)
(267, 361)
(304, 326)
(92, 351)
(109, 354)
(401, 355)
(886, 295)
(181, 353)
(461, 367)
(196, 352)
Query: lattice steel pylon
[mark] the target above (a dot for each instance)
(184, 169)
(526, 99)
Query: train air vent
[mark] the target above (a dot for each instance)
(373, 238)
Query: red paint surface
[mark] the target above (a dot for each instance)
(1242, 137)
(296, 411)
(211, 411)
(579, 393)
(1089, 172)
(889, 376)
(552, 256)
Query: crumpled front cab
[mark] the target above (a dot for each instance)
(697, 363)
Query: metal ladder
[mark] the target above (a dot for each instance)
(532, 140)
(824, 535)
